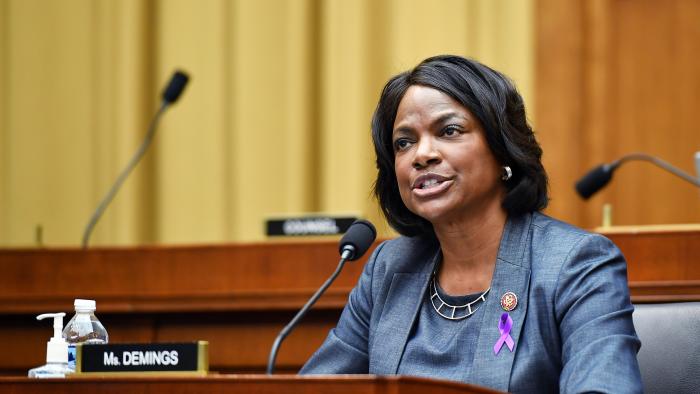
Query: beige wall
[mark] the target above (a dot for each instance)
(275, 120)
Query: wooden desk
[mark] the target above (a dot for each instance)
(238, 297)
(248, 384)
(662, 261)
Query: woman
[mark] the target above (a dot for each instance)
(482, 288)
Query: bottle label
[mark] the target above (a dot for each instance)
(42, 375)
(71, 356)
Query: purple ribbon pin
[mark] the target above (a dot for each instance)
(504, 326)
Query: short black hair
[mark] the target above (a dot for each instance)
(494, 100)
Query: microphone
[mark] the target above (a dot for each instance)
(353, 245)
(595, 180)
(170, 95)
(175, 87)
(357, 240)
(598, 177)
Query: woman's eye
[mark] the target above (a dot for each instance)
(401, 144)
(450, 131)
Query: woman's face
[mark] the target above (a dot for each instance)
(444, 167)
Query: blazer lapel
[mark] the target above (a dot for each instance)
(403, 302)
(512, 273)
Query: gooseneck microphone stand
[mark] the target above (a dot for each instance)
(122, 176)
(353, 245)
(170, 95)
(302, 312)
(598, 177)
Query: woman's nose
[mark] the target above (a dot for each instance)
(426, 153)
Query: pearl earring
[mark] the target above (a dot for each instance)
(507, 173)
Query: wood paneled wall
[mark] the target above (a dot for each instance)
(615, 77)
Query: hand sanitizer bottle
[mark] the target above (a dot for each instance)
(56, 352)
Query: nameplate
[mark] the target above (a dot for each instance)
(308, 226)
(129, 358)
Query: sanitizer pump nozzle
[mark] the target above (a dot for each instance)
(56, 351)
(56, 347)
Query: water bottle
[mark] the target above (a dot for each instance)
(83, 328)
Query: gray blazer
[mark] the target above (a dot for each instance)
(572, 326)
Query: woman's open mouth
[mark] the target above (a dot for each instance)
(430, 185)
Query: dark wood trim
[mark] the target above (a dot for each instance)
(249, 384)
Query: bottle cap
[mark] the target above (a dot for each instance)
(56, 347)
(84, 305)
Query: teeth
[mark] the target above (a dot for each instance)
(429, 183)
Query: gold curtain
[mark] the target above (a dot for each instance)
(275, 120)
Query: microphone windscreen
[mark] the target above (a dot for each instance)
(360, 236)
(595, 180)
(175, 87)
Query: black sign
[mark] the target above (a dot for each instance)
(312, 225)
(143, 357)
